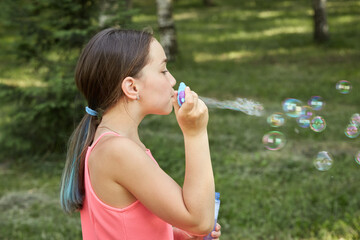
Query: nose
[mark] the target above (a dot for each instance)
(172, 80)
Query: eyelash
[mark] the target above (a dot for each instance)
(164, 71)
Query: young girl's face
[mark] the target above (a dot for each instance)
(156, 83)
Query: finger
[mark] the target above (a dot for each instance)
(201, 103)
(196, 99)
(189, 100)
(175, 102)
(217, 227)
(216, 234)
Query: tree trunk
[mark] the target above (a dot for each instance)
(167, 28)
(208, 3)
(321, 28)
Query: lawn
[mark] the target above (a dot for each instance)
(259, 50)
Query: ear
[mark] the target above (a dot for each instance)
(130, 88)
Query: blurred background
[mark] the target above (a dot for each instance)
(262, 50)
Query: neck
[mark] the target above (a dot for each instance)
(124, 119)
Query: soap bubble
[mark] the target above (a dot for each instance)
(318, 124)
(292, 107)
(352, 130)
(306, 111)
(303, 121)
(355, 119)
(316, 103)
(343, 86)
(323, 161)
(274, 140)
(357, 157)
(276, 119)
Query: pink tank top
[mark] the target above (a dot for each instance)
(103, 222)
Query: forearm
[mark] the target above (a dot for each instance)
(198, 188)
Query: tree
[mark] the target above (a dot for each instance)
(321, 28)
(167, 28)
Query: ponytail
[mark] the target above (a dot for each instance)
(106, 60)
(72, 182)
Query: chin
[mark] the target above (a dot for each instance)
(165, 112)
(162, 110)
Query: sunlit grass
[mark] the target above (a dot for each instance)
(233, 55)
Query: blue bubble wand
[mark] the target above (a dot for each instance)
(181, 94)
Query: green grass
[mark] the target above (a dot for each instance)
(261, 50)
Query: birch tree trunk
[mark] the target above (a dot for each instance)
(167, 28)
(321, 28)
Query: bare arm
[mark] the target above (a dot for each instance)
(191, 207)
(198, 187)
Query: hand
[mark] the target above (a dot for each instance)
(193, 115)
(217, 233)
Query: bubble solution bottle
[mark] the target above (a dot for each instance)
(217, 207)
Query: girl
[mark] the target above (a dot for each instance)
(110, 176)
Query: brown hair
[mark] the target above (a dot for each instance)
(109, 57)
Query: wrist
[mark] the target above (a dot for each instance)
(195, 134)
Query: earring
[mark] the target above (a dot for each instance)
(137, 97)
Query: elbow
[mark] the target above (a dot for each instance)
(203, 228)
(207, 228)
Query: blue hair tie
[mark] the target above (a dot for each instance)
(91, 112)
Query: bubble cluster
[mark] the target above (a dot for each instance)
(274, 140)
(318, 124)
(357, 157)
(316, 103)
(307, 116)
(343, 86)
(304, 115)
(276, 120)
(292, 107)
(323, 161)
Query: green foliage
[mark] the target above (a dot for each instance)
(44, 25)
(49, 36)
(42, 119)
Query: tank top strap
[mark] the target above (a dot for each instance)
(99, 138)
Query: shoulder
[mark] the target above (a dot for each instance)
(117, 157)
(116, 147)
